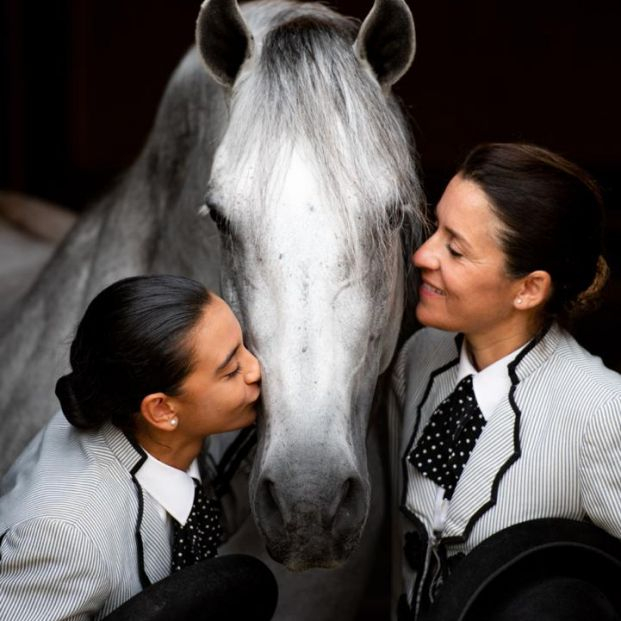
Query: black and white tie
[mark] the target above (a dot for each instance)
(199, 537)
(449, 437)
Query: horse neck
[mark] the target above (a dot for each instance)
(159, 199)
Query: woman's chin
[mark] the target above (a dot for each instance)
(248, 417)
(426, 317)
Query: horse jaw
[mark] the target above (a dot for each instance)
(322, 331)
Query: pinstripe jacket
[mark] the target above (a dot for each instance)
(98, 538)
(552, 447)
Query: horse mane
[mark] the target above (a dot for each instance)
(305, 88)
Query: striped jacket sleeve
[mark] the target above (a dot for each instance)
(50, 571)
(600, 470)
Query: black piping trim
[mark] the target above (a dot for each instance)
(233, 456)
(432, 377)
(144, 579)
(140, 451)
(459, 339)
(517, 449)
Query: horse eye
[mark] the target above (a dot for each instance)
(220, 221)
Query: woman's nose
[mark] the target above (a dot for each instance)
(424, 257)
(253, 374)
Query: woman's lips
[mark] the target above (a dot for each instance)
(253, 396)
(429, 290)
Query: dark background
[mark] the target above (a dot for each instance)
(81, 80)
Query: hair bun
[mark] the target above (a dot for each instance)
(590, 298)
(70, 403)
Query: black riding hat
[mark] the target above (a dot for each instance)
(541, 570)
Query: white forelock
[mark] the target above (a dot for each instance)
(305, 91)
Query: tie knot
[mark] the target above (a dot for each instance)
(198, 489)
(465, 385)
(462, 399)
(199, 537)
(200, 500)
(449, 437)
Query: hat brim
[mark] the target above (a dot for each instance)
(234, 586)
(553, 554)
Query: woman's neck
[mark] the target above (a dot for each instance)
(485, 349)
(483, 355)
(490, 345)
(172, 450)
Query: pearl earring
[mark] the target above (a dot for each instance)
(173, 422)
(519, 301)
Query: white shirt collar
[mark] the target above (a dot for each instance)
(491, 384)
(172, 488)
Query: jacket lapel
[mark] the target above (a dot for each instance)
(440, 386)
(496, 449)
(156, 541)
(152, 535)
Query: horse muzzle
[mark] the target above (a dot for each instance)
(311, 513)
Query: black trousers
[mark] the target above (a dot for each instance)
(229, 587)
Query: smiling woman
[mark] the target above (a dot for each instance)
(504, 419)
(116, 492)
(465, 287)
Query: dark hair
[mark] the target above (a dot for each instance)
(130, 343)
(552, 216)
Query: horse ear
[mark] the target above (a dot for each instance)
(223, 39)
(387, 40)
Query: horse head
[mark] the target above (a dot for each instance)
(311, 188)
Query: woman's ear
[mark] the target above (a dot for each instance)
(534, 290)
(156, 409)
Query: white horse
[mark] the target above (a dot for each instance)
(280, 125)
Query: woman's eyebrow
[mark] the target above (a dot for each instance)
(228, 358)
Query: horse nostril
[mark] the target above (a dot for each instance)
(270, 496)
(268, 505)
(349, 505)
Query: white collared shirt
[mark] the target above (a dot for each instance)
(171, 488)
(490, 386)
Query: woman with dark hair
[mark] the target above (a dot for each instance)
(115, 492)
(504, 417)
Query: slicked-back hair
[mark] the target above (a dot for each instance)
(133, 340)
(552, 215)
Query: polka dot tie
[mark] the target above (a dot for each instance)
(449, 437)
(199, 537)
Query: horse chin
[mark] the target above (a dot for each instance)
(307, 541)
(300, 554)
